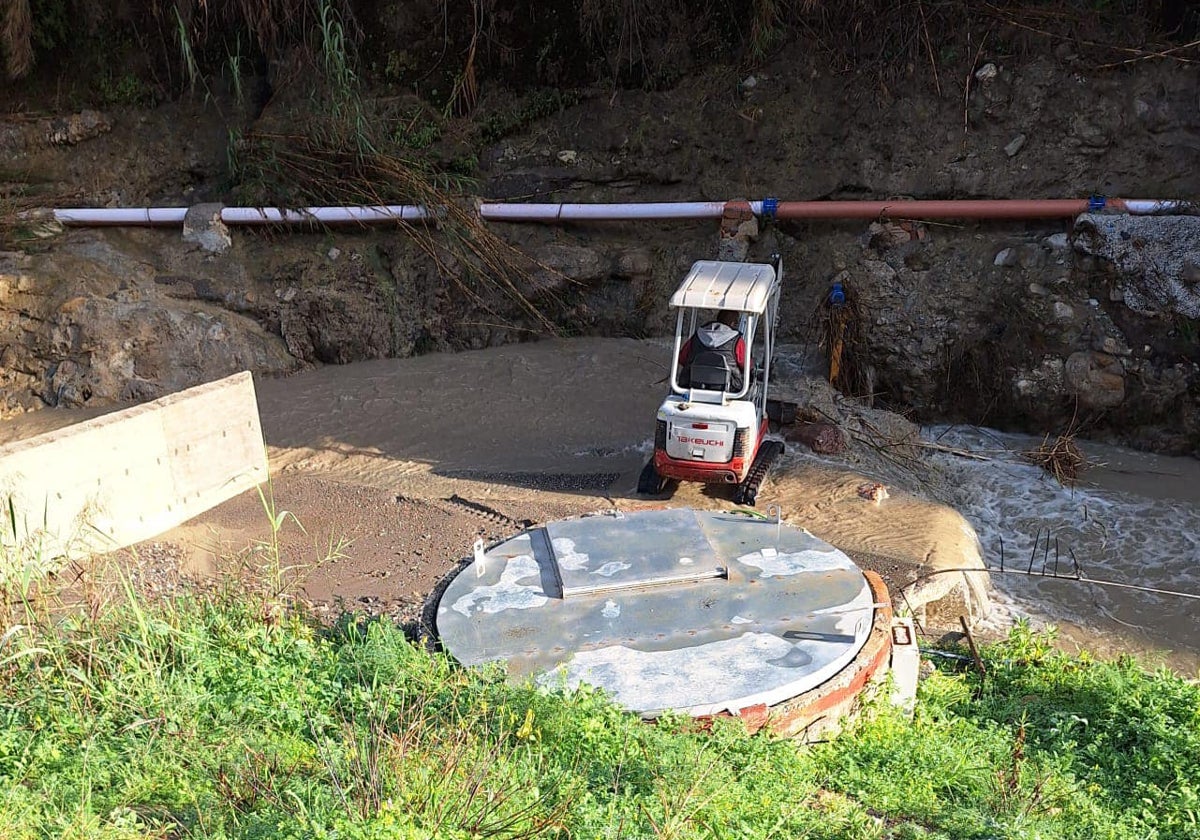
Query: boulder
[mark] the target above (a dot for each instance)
(1096, 378)
(822, 438)
(202, 226)
(1153, 258)
(116, 351)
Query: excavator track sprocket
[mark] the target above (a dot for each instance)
(747, 491)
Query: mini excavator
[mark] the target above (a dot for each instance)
(708, 430)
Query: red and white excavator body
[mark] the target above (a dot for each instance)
(705, 431)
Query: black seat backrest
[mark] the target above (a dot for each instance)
(710, 371)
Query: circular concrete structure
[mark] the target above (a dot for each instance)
(703, 612)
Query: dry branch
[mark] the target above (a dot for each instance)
(325, 168)
(1061, 458)
(16, 38)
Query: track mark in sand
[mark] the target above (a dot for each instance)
(554, 482)
(488, 513)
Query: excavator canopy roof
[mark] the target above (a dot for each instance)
(745, 287)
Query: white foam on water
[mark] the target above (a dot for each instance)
(1114, 536)
(644, 447)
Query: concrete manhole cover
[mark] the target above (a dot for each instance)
(697, 611)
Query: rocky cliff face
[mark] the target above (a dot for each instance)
(1008, 323)
(92, 322)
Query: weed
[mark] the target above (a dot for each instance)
(343, 104)
(399, 64)
(24, 217)
(520, 114)
(235, 63)
(191, 68)
(766, 28)
(1185, 329)
(328, 165)
(270, 566)
(16, 38)
(419, 129)
(31, 551)
(465, 93)
(464, 166)
(127, 89)
(202, 716)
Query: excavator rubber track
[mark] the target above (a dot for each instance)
(650, 483)
(747, 491)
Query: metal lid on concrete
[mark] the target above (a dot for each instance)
(695, 611)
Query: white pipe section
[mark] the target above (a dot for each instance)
(122, 216)
(245, 215)
(325, 215)
(1154, 207)
(602, 212)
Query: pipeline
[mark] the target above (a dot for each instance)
(901, 209)
(168, 216)
(605, 212)
(129, 216)
(326, 215)
(633, 211)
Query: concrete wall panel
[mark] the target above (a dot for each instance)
(125, 477)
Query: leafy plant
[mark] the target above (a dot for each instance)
(191, 68)
(203, 716)
(270, 564)
(236, 62)
(521, 113)
(126, 89)
(417, 130)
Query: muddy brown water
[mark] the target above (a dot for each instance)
(384, 452)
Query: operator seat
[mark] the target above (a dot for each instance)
(708, 371)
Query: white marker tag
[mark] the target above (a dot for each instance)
(479, 558)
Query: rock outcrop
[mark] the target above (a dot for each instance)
(86, 324)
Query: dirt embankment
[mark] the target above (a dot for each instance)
(1006, 323)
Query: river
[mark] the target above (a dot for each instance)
(1131, 518)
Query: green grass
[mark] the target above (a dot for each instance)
(222, 716)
